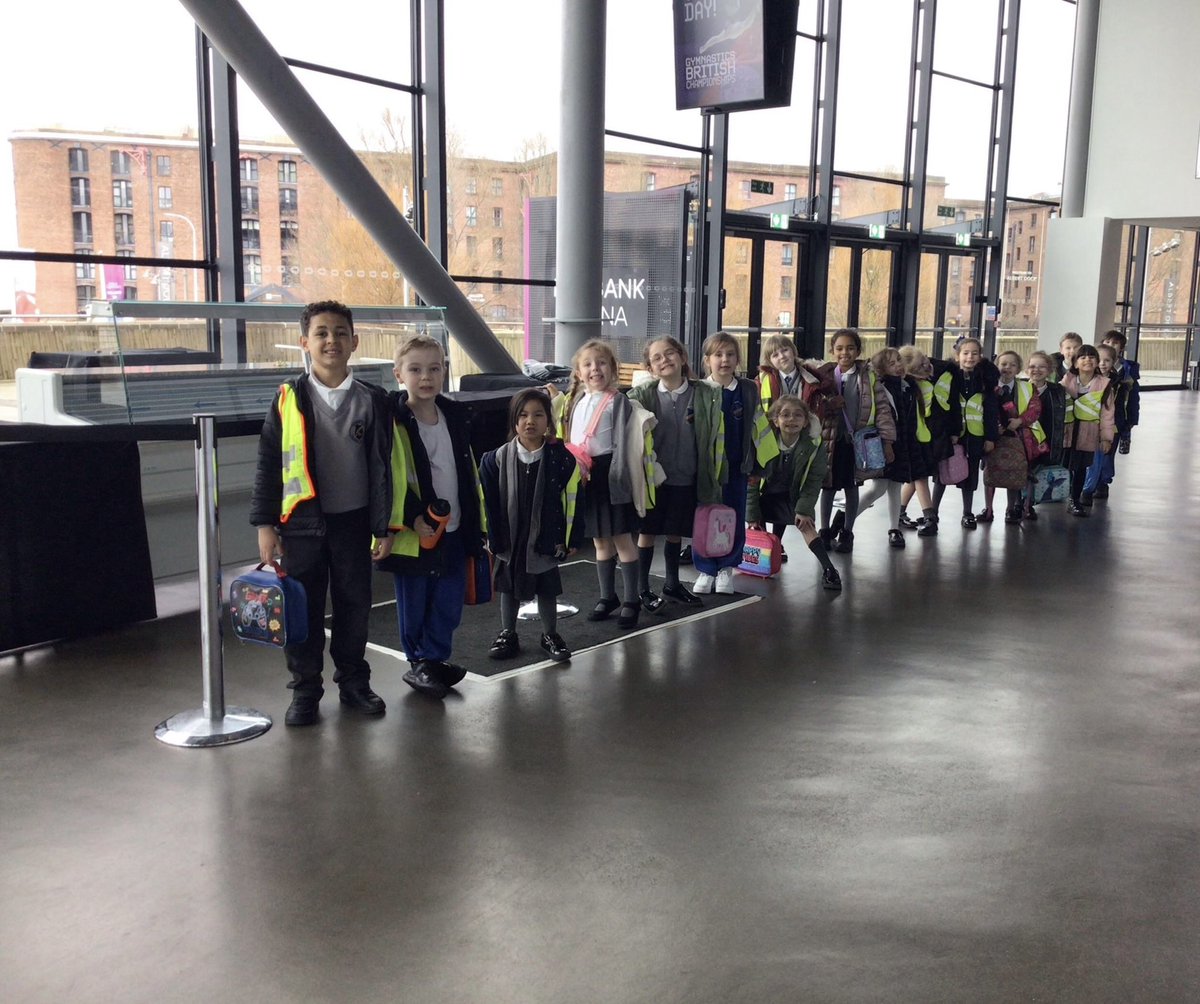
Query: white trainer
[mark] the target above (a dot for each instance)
(703, 583)
(725, 581)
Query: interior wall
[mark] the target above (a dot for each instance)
(1142, 158)
(1081, 268)
(1145, 111)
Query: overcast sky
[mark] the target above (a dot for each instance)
(129, 66)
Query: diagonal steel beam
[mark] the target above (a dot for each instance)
(231, 30)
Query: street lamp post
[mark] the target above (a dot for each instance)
(192, 227)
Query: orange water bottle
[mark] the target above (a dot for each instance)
(437, 516)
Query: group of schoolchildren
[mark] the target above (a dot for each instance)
(350, 476)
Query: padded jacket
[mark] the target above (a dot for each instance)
(307, 519)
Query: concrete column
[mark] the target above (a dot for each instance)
(580, 209)
(1079, 116)
(247, 50)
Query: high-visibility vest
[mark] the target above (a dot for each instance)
(404, 479)
(1024, 391)
(1087, 406)
(941, 390)
(298, 484)
(923, 433)
(973, 414)
(766, 446)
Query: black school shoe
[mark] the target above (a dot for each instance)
(423, 677)
(651, 601)
(302, 710)
(831, 580)
(628, 617)
(928, 527)
(1075, 509)
(506, 646)
(845, 542)
(968, 522)
(555, 647)
(682, 594)
(908, 523)
(363, 700)
(603, 608)
(1012, 514)
(895, 538)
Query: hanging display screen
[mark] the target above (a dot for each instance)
(734, 55)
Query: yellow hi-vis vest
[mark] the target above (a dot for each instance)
(941, 390)
(923, 434)
(404, 479)
(1024, 395)
(973, 414)
(298, 485)
(1087, 406)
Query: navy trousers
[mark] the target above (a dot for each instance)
(429, 607)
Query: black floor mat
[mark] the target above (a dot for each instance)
(481, 624)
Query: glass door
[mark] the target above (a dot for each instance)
(948, 287)
(763, 287)
(861, 293)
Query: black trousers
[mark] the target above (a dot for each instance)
(1078, 463)
(338, 563)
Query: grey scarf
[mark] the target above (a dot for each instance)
(509, 464)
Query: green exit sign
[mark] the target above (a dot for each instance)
(779, 221)
(947, 211)
(877, 230)
(762, 187)
(962, 240)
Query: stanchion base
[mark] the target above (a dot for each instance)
(529, 611)
(194, 728)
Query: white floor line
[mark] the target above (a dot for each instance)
(613, 641)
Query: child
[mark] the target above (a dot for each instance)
(1052, 421)
(1020, 409)
(1102, 463)
(610, 435)
(525, 490)
(1064, 358)
(320, 510)
(791, 482)
(688, 415)
(748, 443)
(942, 415)
(973, 378)
(431, 462)
(912, 456)
(781, 372)
(1095, 425)
(860, 401)
(1126, 405)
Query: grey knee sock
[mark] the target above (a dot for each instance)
(629, 579)
(671, 551)
(606, 572)
(645, 560)
(548, 612)
(508, 611)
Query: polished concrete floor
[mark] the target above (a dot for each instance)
(973, 776)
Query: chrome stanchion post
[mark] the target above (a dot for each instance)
(213, 724)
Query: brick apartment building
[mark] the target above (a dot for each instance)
(125, 194)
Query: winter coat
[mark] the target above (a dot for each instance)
(808, 472)
(981, 380)
(834, 425)
(417, 500)
(814, 390)
(1053, 419)
(307, 519)
(1088, 435)
(706, 417)
(912, 459)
